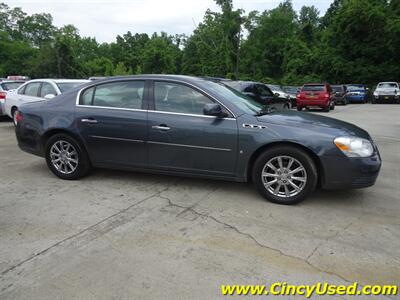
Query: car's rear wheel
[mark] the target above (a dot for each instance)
(327, 108)
(332, 106)
(285, 175)
(66, 158)
(299, 108)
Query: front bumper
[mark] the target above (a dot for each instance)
(387, 98)
(350, 173)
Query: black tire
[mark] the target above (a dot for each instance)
(83, 165)
(345, 102)
(299, 108)
(13, 112)
(290, 152)
(333, 106)
(327, 108)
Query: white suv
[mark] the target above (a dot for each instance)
(387, 92)
(37, 90)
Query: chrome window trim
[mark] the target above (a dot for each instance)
(189, 115)
(112, 108)
(190, 146)
(157, 111)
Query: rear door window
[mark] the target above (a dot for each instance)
(125, 94)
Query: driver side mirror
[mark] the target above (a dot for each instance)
(214, 109)
(49, 96)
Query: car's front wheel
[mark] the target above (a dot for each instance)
(285, 175)
(66, 158)
(14, 115)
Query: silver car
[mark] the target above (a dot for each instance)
(5, 87)
(37, 90)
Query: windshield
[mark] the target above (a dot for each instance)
(337, 88)
(355, 87)
(275, 87)
(233, 84)
(314, 88)
(387, 85)
(290, 89)
(244, 103)
(65, 86)
(11, 85)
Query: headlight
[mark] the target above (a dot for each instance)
(376, 94)
(354, 146)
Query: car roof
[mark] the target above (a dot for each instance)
(11, 81)
(59, 80)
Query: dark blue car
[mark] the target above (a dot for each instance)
(356, 93)
(190, 126)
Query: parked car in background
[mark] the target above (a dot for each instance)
(277, 89)
(316, 95)
(259, 92)
(37, 90)
(340, 94)
(5, 87)
(387, 92)
(292, 91)
(190, 126)
(93, 78)
(356, 93)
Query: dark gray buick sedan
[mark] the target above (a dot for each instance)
(191, 126)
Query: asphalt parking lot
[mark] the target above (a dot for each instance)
(120, 235)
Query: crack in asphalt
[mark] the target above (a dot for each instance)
(251, 237)
(4, 272)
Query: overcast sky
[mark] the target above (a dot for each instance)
(105, 19)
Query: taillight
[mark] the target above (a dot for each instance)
(326, 96)
(3, 95)
(18, 116)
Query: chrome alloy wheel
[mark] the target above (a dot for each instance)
(284, 176)
(64, 157)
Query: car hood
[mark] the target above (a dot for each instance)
(312, 121)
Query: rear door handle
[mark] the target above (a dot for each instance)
(91, 121)
(161, 127)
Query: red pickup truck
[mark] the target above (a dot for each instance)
(315, 95)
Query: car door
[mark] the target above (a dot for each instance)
(112, 119)
(182, 138)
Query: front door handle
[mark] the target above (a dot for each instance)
(161, 127)
(91, 121)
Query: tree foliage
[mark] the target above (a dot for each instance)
(354, 41)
